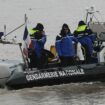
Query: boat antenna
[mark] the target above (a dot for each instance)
(90, 12)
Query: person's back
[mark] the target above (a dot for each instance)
(86, 37)
(88, 43)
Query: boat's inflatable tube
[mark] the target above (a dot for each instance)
(58, 75)
(7, 67)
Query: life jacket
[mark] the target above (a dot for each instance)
(81, 28)
(32, 32)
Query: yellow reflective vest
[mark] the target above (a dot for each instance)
(81, 28)
(32, 31)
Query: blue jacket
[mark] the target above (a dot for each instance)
(64, 46)
(39, 45)
(93, 36)
(87, 40)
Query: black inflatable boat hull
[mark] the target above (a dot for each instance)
(54, 76)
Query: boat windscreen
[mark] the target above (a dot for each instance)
(97, 27)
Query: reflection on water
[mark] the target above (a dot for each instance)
(69, 94)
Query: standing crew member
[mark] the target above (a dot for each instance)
(38, 38)
(64, 46)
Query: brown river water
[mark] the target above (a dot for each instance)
(65, 94)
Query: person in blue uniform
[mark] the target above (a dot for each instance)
(39, 55)
(38, 40)
(82, 29)
(64, 46)
(86, 37)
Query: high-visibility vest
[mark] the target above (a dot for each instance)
(32, 31)
(81, 28)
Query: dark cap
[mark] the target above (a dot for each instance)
(81, 23)
(39, 27)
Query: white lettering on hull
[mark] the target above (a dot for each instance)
(55, 74)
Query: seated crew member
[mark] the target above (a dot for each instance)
(86, 37)
(64, 46)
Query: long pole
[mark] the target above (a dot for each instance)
(87, 16)
(4, 30)
(15, 29)
(24, 59)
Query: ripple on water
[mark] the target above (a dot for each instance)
(66, 94)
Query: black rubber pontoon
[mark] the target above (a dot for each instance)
(57, 75)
